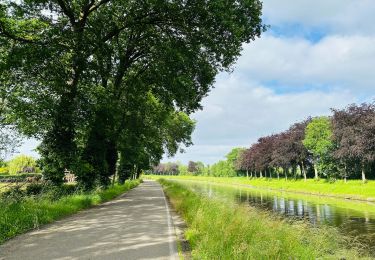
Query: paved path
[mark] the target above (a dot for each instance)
(134, 226)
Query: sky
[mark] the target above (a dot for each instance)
(316, 55)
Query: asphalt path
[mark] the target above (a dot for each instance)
(136, 225)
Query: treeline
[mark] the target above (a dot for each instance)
(224, 168)
(177, 168)
(338, 146)
(108, 86)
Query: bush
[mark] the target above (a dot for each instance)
(35, 189)
(4, 171)
(13, 195)
(21, 177)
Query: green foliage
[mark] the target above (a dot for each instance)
(218, 229)
(19, 163)
(318, 136)
(20, 177)
(318, 140)
(234, 155)
(130, 74)
(4, 170)
(227, 168)
(222, 169)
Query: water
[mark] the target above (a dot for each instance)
(353, 218)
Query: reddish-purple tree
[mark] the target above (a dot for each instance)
(354, 135)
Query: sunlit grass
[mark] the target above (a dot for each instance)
(19, 216)
(219, 229)
(5, 186)
(353, 189)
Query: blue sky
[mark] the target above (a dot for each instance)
(316, 55)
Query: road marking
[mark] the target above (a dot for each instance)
(172, 248)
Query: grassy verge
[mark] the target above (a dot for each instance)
(20, 216)
(223, 230)
(5, 186)
(353, 189)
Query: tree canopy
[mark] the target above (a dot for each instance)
(104, 81)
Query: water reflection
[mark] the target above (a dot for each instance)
(316, 210)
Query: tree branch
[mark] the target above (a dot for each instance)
(67, 11)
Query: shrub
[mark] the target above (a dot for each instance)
(21, 162)
(13, 195)
(34, 189)
(21, 177)
(4, 171)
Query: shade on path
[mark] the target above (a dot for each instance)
(136, 225)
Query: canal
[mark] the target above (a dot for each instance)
(353, 218)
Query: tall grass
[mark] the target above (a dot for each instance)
(222, 230)
(16, 217)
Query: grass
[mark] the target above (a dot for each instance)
(5, 186)
(18, 217)
(222, 230)
(353, 189)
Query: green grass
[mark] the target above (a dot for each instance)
(219, 229)
(20, 216)
(353, 189)
(5, 186)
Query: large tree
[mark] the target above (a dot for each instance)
(72, 66)
(318, 140)
(354, 135)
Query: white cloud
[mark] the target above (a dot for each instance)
(249, 111)
(339, 16)
(335, 61)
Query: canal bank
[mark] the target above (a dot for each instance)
(350, 190)
(219, 228)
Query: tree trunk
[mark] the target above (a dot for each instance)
(286, 174)
(303, 170)
(251, 174)
(316, 170)
(261, 174)
(247, 174)
(363, 173)
(113, 179)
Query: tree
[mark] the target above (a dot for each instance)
(19, 163)
(280, 154)
(107, 52)
(244, 162)
(298, 154)
(222, 169)
(318, 139)
(354, 135)
(192, 167)
(234, 157)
